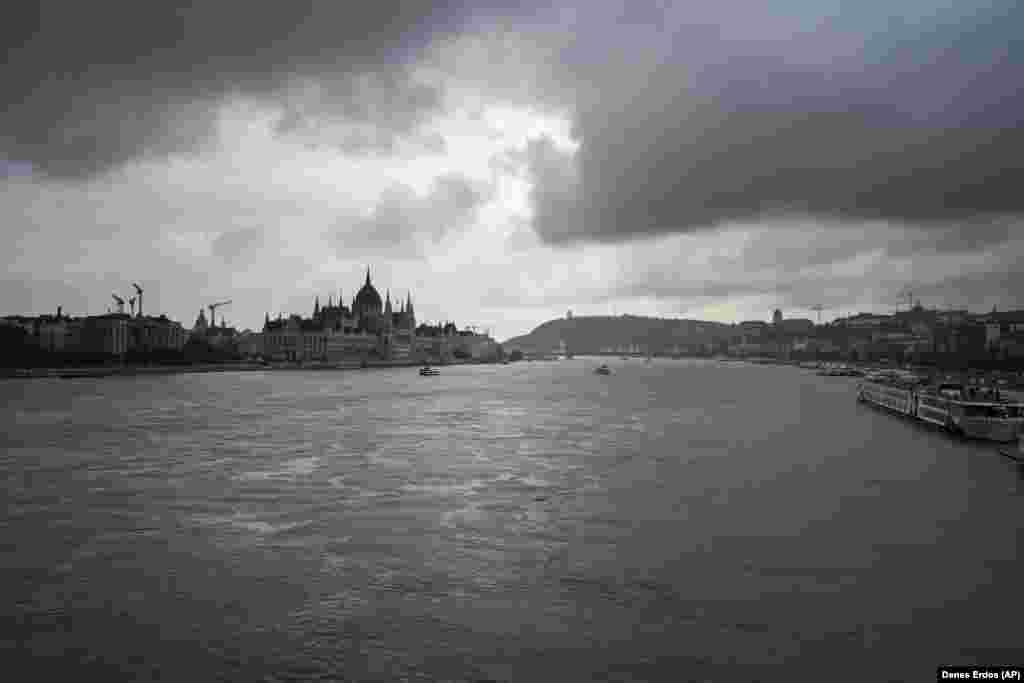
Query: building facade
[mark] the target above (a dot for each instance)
(369, 329)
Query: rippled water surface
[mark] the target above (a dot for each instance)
(676, 520)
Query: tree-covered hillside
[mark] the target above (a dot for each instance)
(593, 334)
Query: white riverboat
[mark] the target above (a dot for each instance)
(978, 414)
(427, 371)
(891, 391)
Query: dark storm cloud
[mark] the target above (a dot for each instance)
(90, 85)
(732, 117)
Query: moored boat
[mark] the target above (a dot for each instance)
(983, 414)
(889, 391)
(968, 412)
(603, 370)
(427, 371)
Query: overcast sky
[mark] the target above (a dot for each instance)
(506, 162)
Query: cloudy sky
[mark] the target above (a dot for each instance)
(506, 162)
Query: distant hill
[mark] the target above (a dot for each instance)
(593, 334)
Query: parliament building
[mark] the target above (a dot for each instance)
(370, 328)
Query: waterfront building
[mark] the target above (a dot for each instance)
(1004, 333)
(370, 328)
(148, 334)
(105, 335)
(250, 344)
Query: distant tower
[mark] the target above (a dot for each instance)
(200, 325)
(408, 311)
(388, 312)
(316, 307)
(777, 317)
(568, 314)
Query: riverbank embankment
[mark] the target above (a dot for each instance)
(134, 370)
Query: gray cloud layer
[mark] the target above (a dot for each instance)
(400, 218)
(920, 125)
(91, 85)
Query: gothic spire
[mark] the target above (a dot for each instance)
(316, 307)
(367, 276)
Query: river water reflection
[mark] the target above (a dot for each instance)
(675, 520)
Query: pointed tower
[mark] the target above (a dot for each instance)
(368, 276)
(387, 304)
(411, 317)
(316, 307)
(266, 320)
(200, 325)
(330, 301)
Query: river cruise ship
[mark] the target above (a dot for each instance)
(971, 412)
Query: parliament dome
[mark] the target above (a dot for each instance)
(368, 299)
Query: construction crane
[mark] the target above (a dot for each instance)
(213, 308)
(120, 303)
(138, 291)
(131, 304)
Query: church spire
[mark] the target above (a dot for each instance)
(330, 301)
(316, 307)
(387, 305)
(367, 276)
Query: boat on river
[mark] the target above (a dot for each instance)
(427, 371)
(966, 411)
(603, 370)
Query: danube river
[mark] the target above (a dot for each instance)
(678, 520)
